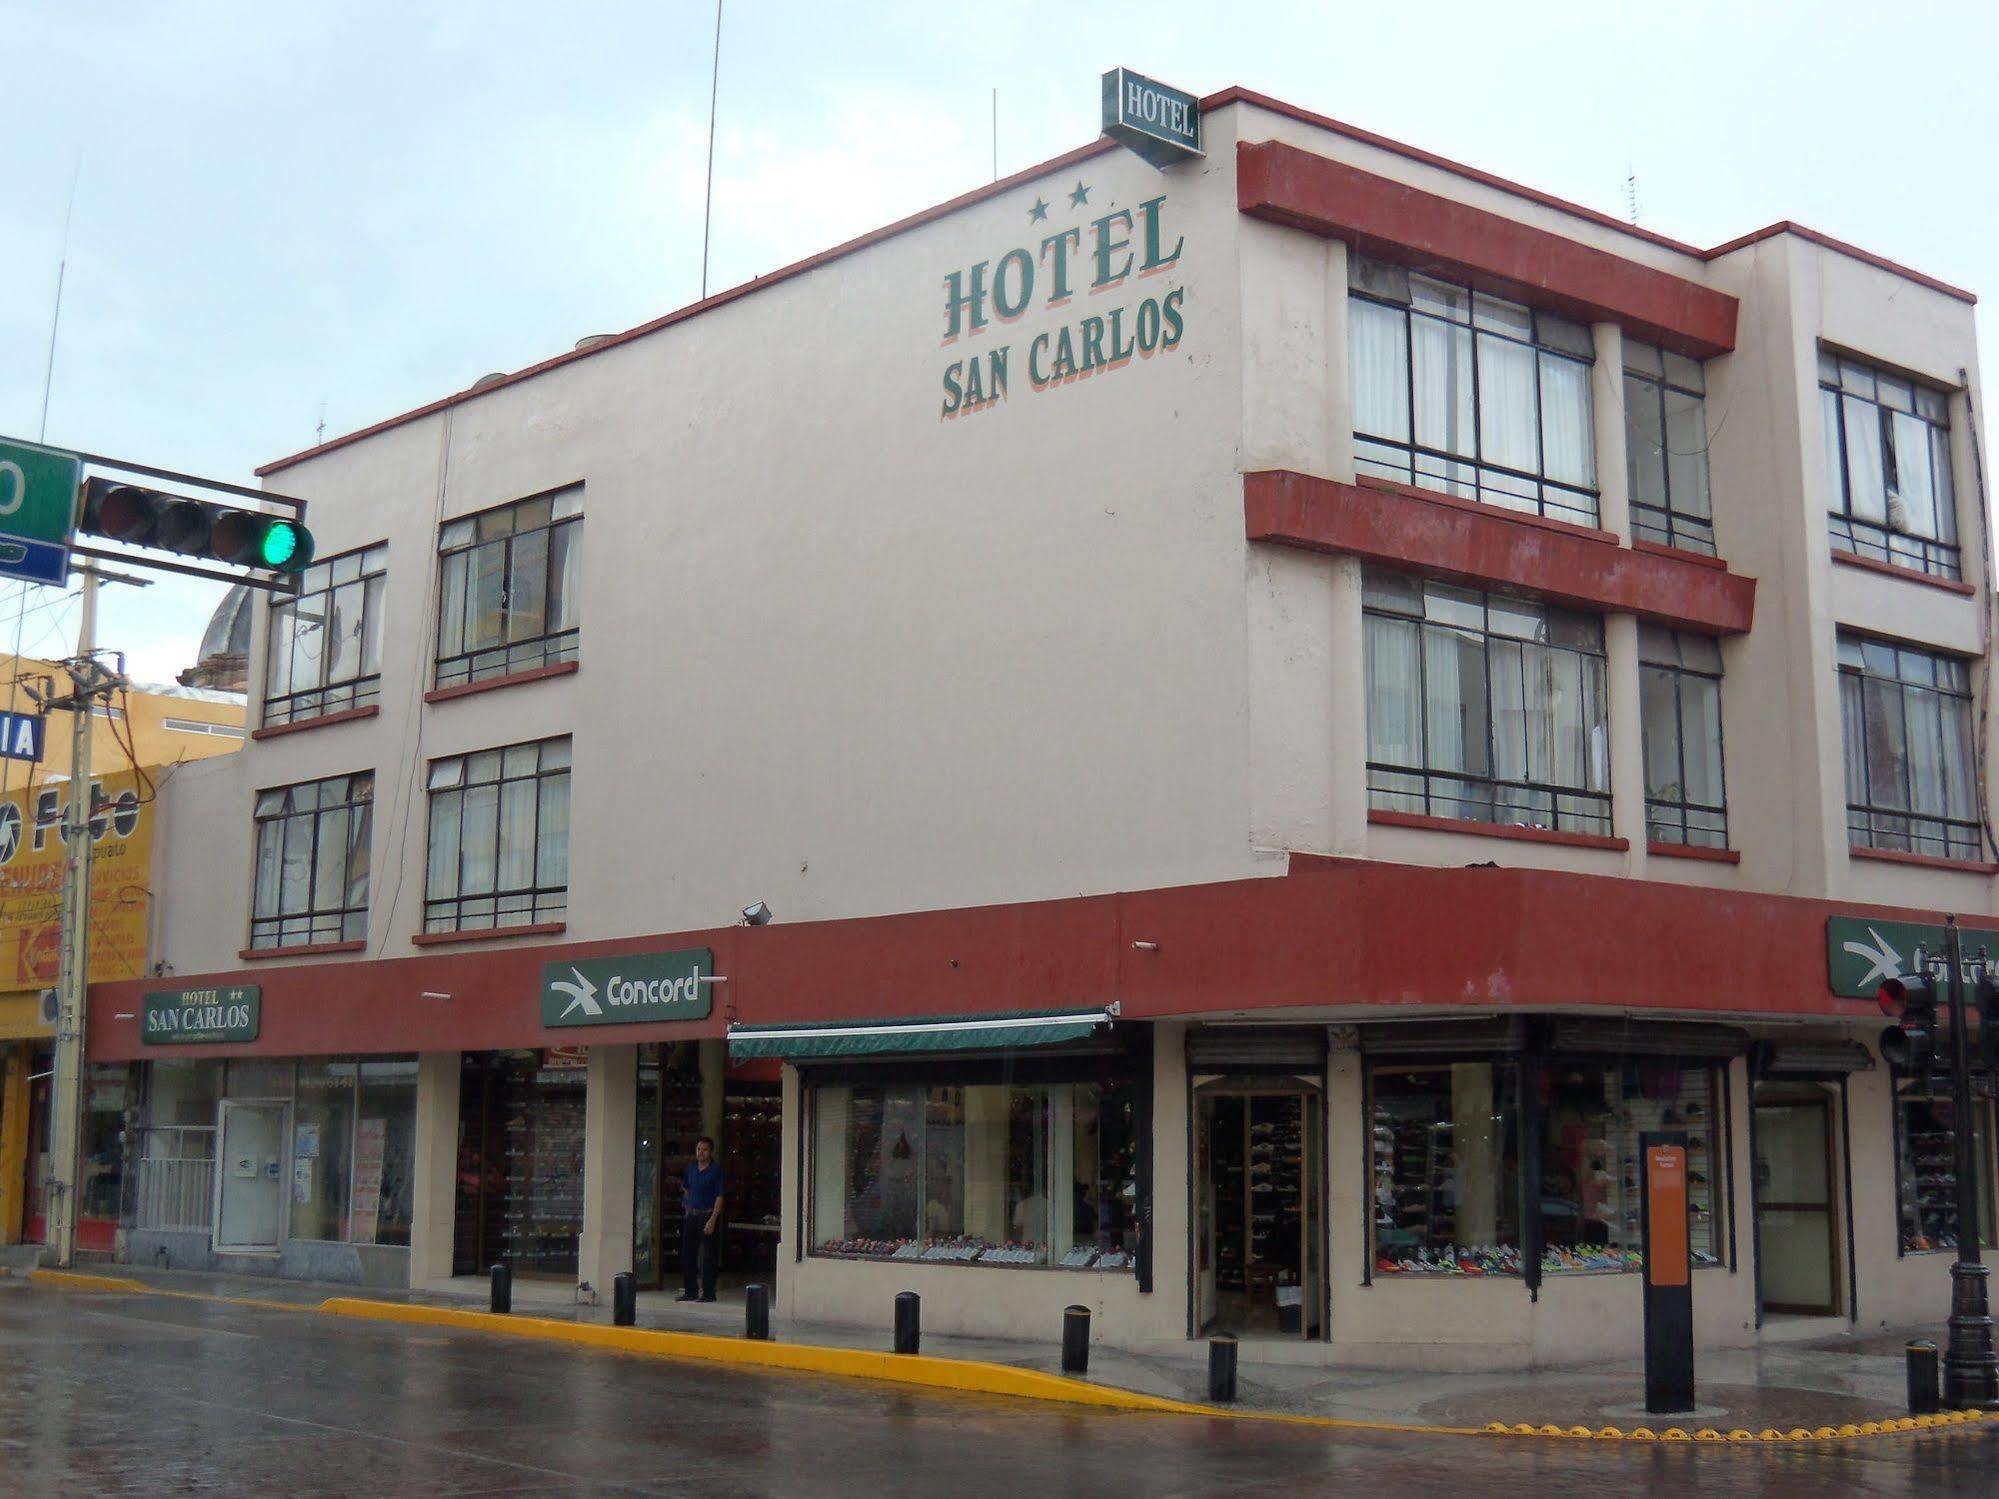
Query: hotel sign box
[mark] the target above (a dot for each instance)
(1161, 124)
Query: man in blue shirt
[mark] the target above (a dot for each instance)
(700, 1241)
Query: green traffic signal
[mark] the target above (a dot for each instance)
(138, 516)
(285, 547)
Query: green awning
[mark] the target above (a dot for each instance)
(947, 1033)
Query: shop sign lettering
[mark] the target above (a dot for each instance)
(185, 1017)
(1102, 257)
(1862, 954)
(629, 989)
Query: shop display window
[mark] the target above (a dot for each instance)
(992, 1173)
(384, 1153)
(1446, 1193)
(1592, 1114)
(1926, 1167)
(322, 1149)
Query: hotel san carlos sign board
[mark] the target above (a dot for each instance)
(1161, 124)
(629, 989)
(188, 1017)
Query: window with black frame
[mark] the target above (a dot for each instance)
(312, 862)
(1910, 777)
(1926, 1166)
(1665, 448)
(1467, 393)
(1445, 1168)
(509, 591)
(1027, 1173)
(1484, 707)
(1887, 459)
(499, 838)
(1679, 694)
(325, 649)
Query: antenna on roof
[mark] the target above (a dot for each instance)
(995, 133)
(1631, 192)
(319, 433)
(708, 197)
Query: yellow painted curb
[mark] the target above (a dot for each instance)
(78, 1280)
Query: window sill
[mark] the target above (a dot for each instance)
(1480, 507)
(1906, 574)
(323, 721)
(490, 684)
(491, 934)
(1678, 554)
(1694, 851)
(302, 950)
(1922, 861)
(1497, 830)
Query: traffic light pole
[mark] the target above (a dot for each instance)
(63, 1187)
(1971, 1367)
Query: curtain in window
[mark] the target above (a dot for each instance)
(478, 832)
(1912, 474)
(527, 587)
(1394, 732)
(1644, 442)
(486, 586)
(1887, 750)
(1506, 401)
(1568, 439)
(517, 840)
(1853, 722)
(1865, 494)
(1686, 453)
(1700, 712)
(1455, 700)
(565, 550)
(1443, 354)
(1378, 365)
(1658, 705)
(552, 850)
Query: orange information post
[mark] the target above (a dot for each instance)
(1669, 1291)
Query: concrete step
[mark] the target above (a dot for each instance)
(20, 1258)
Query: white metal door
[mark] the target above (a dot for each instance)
(250, 1176)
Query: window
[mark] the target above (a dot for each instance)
(499, 838)
(322, 1149)
(1887, 461)
(508, 589)
(1459, 391)
(993, 1173)
(1926, 1166)
(196, 726)
(1484, 707)
(312, 862)
(325, 651)
(1446, 1175)
(1592, 1115)
(1679, 691)
(1665, 448)
(1909, 778)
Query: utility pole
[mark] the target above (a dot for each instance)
(88, 683)
(1970, 1366)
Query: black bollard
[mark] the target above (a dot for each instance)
(908, 1321)
(1221, 1368)
(1924, 1399)
(624, 1299)
(756, 1313)
(503, 1288)
(1075, 1340)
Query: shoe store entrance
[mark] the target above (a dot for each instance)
(1259, 1184)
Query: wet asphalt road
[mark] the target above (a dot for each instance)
(111, 1394)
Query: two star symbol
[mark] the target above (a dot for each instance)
(1077, 199)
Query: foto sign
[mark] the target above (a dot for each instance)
(1862, 954)
(1161, 124)
(20, 736)
(187, 1017)
(630, 989)
(38, 488)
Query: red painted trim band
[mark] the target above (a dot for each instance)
(1906, 574)
(1442, 536)
(1495, 830)
(490, 934)
(493, 684)
(1694, 851)
(1393, 221)
(303, 950)
(324, 721)
(1476, 507)
(1922, 861)
(1681, 554)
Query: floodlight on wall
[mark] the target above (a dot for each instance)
(433, 994)
(757, 913)
(1145, 946)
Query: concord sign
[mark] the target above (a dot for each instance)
(628, 989)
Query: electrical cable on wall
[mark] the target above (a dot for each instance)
(1984, 612)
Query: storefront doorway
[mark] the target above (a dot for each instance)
(250, 1192)
(520, 1161)
(1259, 1160)
(1797, 1218)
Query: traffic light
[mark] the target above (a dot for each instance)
(141, 517)
(1987, 994)
(1910, 1044)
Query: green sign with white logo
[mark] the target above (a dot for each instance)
(187, 1017)
(630, 989)
(38, 488)
(1861, 954)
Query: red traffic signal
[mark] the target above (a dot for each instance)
(1912, 1043)
(141, 517)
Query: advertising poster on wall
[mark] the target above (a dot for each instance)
(31, 854)
(371, 1138)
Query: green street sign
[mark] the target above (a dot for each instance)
(1862, 954)
(630, 989)
(38, 488)
(186, 1017)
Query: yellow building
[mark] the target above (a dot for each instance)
(136, 742)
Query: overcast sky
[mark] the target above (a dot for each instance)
(289, 213)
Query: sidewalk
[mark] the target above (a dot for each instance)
(1831, 1382)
